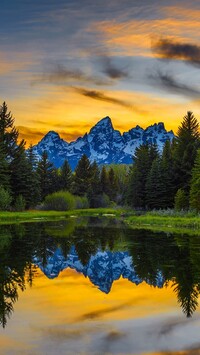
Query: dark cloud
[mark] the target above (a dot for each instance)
(167, 49)
(113, 71)
(73, 135)
(30, 134)
(102, 312)
(59, 74)
(99, 95)
(171, 325)
(168, 82)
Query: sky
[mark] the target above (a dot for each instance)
(65, 64)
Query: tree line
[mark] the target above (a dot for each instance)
(25, 181)
(171, 178)
(155, 180)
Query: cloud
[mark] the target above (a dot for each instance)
(71, 136)
(102, 312)
(168, 82)
(112, 70)
(99, 95)
(59, 74)
(34, 135)
(171, 50)
(30, 134)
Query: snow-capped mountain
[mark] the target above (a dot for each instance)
(102, 269)
(103, 143)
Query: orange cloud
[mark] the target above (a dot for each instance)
(134, 37)
(72, 114)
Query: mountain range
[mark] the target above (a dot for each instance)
(103, 143)
(102, 269)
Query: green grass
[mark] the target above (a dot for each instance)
(13, 217)
(161, 220)
(148, 220)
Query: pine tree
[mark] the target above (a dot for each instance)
(46, 173)
(65, 176)
(113, 186)
(195, 184)
(8, 133)
(143, 158)
(82, 177)
(4, 169)
(181, 200)
(33, 180)
(187, 143)
(94, 192)
(20, 175)
(154, 186)
(104, 181)
(167, 177)
(160, 181)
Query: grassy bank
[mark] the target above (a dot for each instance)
(164, 223)
(13, 217)
(150, 220)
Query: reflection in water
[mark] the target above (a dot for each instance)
(102, 250)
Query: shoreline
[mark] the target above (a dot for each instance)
(146, 221)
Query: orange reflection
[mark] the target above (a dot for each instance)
(68, 315)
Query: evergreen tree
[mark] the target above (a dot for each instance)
(195, 184)
(144, 156)
(46, 175)
(65, 176)
(8, 133)
(4, 169)
(94, 192)
(20, 175)
(187, 143)
(154, 185)
(113, 186)
(104, 181)
(33, 180)
(167, 176)
(181, 200)
(160, 187)
(82, 177)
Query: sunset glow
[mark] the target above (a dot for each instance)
(65, 66)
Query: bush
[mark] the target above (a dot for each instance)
(103, 201)
(20, 204)
(59, 201)
(5, 199)
(81, 202)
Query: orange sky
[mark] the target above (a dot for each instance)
(65, 66)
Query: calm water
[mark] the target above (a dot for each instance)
(94, 286)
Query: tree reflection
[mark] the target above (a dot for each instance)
(10, 282)
(173, 256)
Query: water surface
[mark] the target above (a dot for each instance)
(94, 286)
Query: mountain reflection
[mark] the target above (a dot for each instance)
(102, 250)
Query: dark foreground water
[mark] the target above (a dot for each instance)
(94, 286)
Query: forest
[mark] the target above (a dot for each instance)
(155, 180)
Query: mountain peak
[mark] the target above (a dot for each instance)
(103, 144)
(52, 134)
(106, 121)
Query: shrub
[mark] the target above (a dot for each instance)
(20, 204)
(5, 199)
(59, 201)
(81, 202)
(103, 201)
